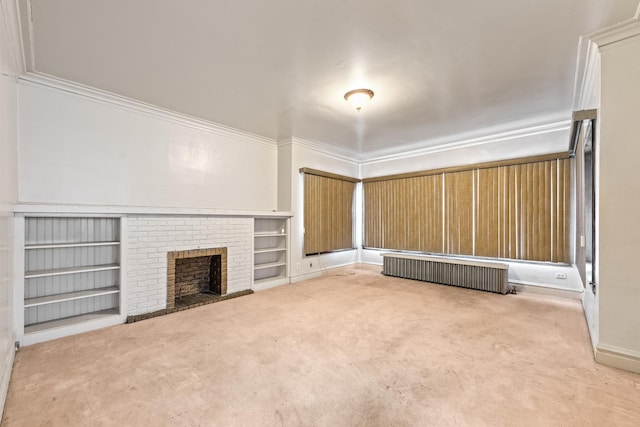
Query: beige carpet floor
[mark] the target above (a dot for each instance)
(359, 349)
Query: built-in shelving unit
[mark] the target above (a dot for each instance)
(270, 256)
(71, 271)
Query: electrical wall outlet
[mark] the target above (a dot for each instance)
(298, 266)
(310, 264)
(561, 276)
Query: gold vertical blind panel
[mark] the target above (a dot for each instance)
(458, 210)
(328, 214)
(430, 216)
(518, 211)
(488, 215)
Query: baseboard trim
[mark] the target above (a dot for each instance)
(306, 276)
(519, 285)
(73, 329)
(7, 368)
(539, 289)
(617, 358)
(377, 264)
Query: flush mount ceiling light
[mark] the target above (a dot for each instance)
(359, 97)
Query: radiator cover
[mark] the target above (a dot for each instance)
(480, 275)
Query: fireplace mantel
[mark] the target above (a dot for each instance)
(42, 208)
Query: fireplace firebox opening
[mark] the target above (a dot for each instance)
(195, 272)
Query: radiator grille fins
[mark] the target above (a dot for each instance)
(481, 276)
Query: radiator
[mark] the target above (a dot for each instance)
(484, 276)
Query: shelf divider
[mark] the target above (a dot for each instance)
(267, 250)
(70, 245)
(269, 265)
(70, 296)
(73, 270)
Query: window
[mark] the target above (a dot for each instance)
(517, 209)
(582, 147)
(404, 214)
(328, 211)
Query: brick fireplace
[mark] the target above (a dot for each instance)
(196, 271)
(150, 238)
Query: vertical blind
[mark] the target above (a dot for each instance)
(406, 201)
(458, 209)
(328, 211)
(502, 210)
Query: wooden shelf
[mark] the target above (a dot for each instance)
(66, 321)
(70, 296)
(269, 265)
(70, 245)
(268, 250)
(269, 234)
(74, 270)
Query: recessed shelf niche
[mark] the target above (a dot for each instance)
(71, 270)
(270, 255)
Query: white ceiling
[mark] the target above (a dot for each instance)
(279, 68)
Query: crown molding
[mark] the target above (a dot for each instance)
(11, 23)
(87, 92)
(457, 142)
(322, 148)
(587, 74)
(509, 131)
(616, 33)
(588, 61)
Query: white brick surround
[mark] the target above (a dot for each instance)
(150, 237)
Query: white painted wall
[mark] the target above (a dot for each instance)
(303, 154)
(8, 196)
(78, 149)
(285, 173)
(619, 203)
